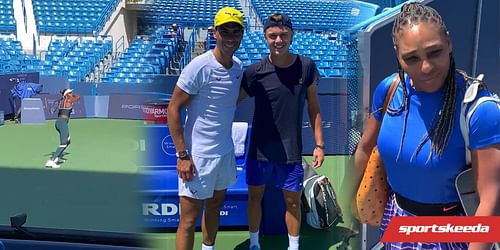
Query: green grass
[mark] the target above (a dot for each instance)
(101, 145)
(95, 189)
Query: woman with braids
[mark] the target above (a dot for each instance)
(420, 140)
(65, 109)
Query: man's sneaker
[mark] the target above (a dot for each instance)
(255, 247)
(51, 164)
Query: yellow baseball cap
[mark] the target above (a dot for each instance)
(228, 15)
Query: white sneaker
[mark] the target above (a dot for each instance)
(59, 160)
(51, 164)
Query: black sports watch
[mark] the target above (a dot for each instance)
(183, 155)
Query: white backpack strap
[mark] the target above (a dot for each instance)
(464, 128)
(472, 89)
(465, 120)
(470, 96)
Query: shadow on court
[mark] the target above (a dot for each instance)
(71, 199)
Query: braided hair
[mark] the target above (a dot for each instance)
(443, 121)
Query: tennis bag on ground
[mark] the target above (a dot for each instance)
(320, 202)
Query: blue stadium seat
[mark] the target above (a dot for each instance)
(69, 17)
(331, 55)
(322, 15)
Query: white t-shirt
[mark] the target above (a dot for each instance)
(210, 113)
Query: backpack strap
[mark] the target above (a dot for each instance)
(390, 93)
(469, 105)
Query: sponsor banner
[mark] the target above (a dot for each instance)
(32, 111)
(127, 106)
(50, 106)
(165, 213)
(155, 111)
(160, 206)
(443, 229)
(159, 146)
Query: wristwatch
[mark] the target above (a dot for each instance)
(320, 146)
(183, 155)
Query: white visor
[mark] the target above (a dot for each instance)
(67, 92)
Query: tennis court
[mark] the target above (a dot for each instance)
(95, 189)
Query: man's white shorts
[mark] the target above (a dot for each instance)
(216, 173)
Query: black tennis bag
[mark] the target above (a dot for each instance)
(319, 200)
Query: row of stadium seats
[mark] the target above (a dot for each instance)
(12, 56)
(7, 22)
(76, 59)
(144, 58)
(62, 16)
(307, 15)
(335, 15)
(72, 59)
(187, 13)
(332, 56)
(70, 17)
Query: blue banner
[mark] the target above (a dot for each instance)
(160, 149)
(160, 207)
(159, 146)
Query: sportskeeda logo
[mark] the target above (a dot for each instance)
(444, 229)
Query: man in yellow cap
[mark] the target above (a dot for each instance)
(208, 87)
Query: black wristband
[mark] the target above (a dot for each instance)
(183, 155)
(319, 146)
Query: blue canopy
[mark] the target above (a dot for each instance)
(26, 89)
